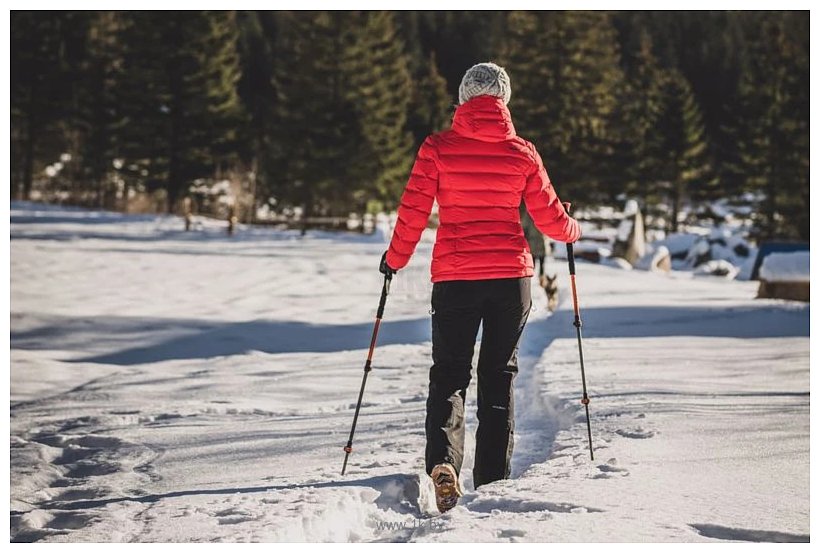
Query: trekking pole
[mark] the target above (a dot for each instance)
(577, 324)
(367, 368)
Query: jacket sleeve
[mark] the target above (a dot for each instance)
(545, 207)
(415, 206)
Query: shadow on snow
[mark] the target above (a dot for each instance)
(175, 339)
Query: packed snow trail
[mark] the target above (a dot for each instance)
(172, 386)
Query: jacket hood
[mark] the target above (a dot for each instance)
(484, 118)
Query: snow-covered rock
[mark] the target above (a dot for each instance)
(691, 250)
(630, 242)
(717, 267)
(678, 244)
(786, 267)
(617, 262)
(658, 260)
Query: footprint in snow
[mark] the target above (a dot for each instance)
(365, 404)
(415, 398)
(78, 494)
(637, 433)
(511, 533)
(497, 505)
(38, 524)
(610, 469)
(234, 515)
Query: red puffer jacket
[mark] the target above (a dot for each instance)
(478, 171)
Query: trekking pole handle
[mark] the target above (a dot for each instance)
(570, 251)
(385, 291)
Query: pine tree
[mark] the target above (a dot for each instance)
(641, 106)
(100, 112)
(775, 133)
(74, 33)
(183, 111)
(593, 83)
(37, 94)
(461, 39)
(409, 30)
(566, 78)
(679, 148)
(530, 59)
(257, 37)
(316, 139)
(431, 107)
(380, 89)
(344, 91)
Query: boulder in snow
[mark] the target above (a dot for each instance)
(785, 276)
(718, 268)
(719, 245)
(630, 243)
(659, 260)
(786, 267)
(617, 262)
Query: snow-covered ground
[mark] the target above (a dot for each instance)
(171, 386)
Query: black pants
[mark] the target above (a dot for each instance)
(501, 306)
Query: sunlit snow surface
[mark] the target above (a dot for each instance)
(172, 386)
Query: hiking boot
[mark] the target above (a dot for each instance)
(445, 481)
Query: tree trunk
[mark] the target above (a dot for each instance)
(251, 217)
(676, 201)
(28, 162)
(172, 185)
(172, 193)
(771, 208)
(307, 209)
(126, 189)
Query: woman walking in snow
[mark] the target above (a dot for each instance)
(479, 170)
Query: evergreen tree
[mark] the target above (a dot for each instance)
(709, 49)
(257, 37)
(183, 111)
(100, 109)
(380, 89)
(142, 139)
(344, 91)
(431, 107)
(643, 103)
(679, 149)
(461, 39)
(775, 133)
(316, 140)
(566, 85)
(528, 58)
(37, 94)
(74, 34)
(409, 30)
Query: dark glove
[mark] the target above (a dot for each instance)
(386, 269)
